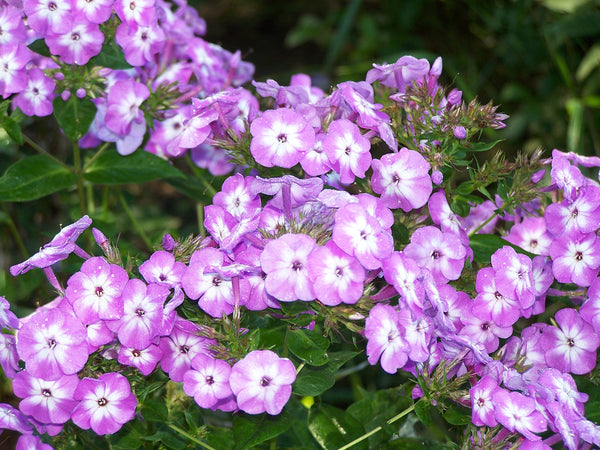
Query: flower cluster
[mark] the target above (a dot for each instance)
(159, 61)
(345, 209)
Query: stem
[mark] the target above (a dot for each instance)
(190, 437)
(135, 223)
(377, 429)
(488, 220)
(95, 157)
(15, 232)
(39, 149)
(79, 173)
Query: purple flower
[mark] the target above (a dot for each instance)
(11, 23)
(518, 413)
(576, 258)
(347, 150)
(78, 44)
(384, 334)
(581, 215)
(145, 360)
(181, 347)
(280, 137)
(403, 273)
(207, 381)
(59, 248)
(9, 358)
(214, 293)
(52, 343)
(514, 278)
(36, 98)
(162, 269)
(105, 404)
(236, 197)
(570, 347)
(315, 161)
(590, 310)
(360, 234)
(142, 313)
(482, 404)
(441, 253)
(483, 330)
(8, 319)
(401, 74)
(531, 235)
(44, 16)
(13, 60)
(31, 442)
(13, 419)
(285, 261)
(337, 276)
(140, 43)
(262, 382)
(141, 12)
(95, 11)
(124, 100)
(402, 179)
(95, 291)
(46, 401)
(502, 309)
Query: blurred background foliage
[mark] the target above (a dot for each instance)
(539, 59)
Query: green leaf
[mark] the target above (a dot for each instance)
(464, 188)
(457, 415)
(423, 411)
(219, 437)
(478, 146)
(315, 381)
(333, 428)
(250, 430)
(111, 56)
(13, 129)
(139, 167)
(200, 190)
(155, 411)
(34, 177)
(39, 46)
(576, 109)
(484, 246)
(74, 116)
(308, 345)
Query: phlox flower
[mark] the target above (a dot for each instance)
(570, 347)
(78, 44)
(516, 412)
(337, 276)
(145, 360)
(32, 442)
(13, 419)
(581, 215)
(181, 347)
(590, 310)
(59, 248)
(207, 381)
(106, 403)
(482, 405)
(360, 234)
(47, 401)
(347, 150)
(140, 43)
(385, 340)
(140, 12)
(280, 137)
(576, 258)
(441, 253)
(402, 179)
(315, 161)
(531, 234)
(236, 197)
(561, 387)
(8, 319)
(12, 26)
(483, 330)
(48, 16)
(403, 273)
(513, 276)
(95, 11)
(262, 382)
(567, 177)
(52, 343)
(285, 262)
(142, 313)
(123, 108)
(214, 292)
(400, 74)
(13, 60)
(36, 98)
(9, 358)
(502, 309)
(162, 269)
(95, 291)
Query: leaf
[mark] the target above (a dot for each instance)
(478, 146)
(34, 177)
(315, 381)
(457, 415)
(13, 129)
(139, 167)
(155, 411)
(250, 430)
(111, 56)
(310, 346)
(423, 411)
(590, 61)
(74, 116)
(200, 190)
(39, 46)
(484, 246)
(333, 428)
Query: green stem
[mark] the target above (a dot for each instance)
(489, 219)
(39, 149)
(376, 430)
(95, 157)
(190, 437)
(136, 224)
(15, 232)
(79, 173)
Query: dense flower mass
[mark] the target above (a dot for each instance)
(343, 232)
